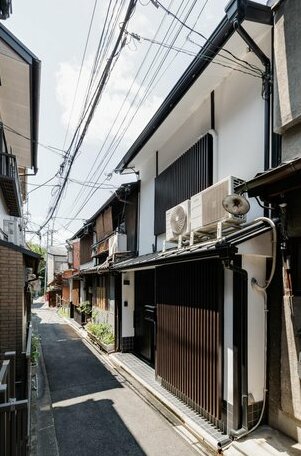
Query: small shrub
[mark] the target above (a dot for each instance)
(102, 331)
(85, 307)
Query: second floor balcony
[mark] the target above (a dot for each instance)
(10, 184)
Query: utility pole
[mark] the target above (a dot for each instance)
(46, 261)
(49, 243)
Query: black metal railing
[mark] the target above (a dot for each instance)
(8, 165)
(14, 425)
(15, 410)
(9, 172)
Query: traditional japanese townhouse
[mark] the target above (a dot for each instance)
(279, 189)
(110, 234)
(193, 301)
(19, 108)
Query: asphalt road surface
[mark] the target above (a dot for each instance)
(95, 412)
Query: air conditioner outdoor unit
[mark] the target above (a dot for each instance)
(178, 221)
(117, 243)
(207, 209)
(13, 229)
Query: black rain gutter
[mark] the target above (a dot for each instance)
(35, 109)
(35, 77)
(238, 11)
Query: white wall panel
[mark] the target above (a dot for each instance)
(128, 295)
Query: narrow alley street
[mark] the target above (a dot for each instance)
(94, 411)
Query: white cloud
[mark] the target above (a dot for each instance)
(113, 98)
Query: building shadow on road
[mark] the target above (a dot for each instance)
(93, 428)
(85, 423)
(72, 369)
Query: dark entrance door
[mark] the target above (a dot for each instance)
(145, 314)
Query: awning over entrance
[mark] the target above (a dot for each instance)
(222, 248)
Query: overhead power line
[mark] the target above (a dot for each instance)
(80, 71)
(157, 64)
(18, 133)
(105, 75)
(240, 66)
(157, 4)
(214, 60)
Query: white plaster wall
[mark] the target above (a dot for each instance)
(228, 336)
(50, 267)
(239, 123)
(128, 294)
(146, 205)
(70, 289)
(82, 292)
(254, 253)
(256, 267)
(240, 126)
(196, 125)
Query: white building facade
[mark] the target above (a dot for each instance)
(196, 309)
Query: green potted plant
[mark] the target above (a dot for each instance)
(102, 335)
(85, 309)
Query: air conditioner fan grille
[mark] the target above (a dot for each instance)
(178, 220)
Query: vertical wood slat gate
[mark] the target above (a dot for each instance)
(190, 333)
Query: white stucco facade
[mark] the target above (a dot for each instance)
(238, 150)
(238, 143)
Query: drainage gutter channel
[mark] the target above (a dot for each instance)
(168, 410)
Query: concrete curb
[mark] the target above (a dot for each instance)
(46, 441)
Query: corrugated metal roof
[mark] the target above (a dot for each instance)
(96, 269)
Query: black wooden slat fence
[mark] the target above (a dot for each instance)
(189, 334)
(188, 175)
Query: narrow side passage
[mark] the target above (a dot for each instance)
(94, 412)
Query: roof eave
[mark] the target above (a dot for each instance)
(35, 76)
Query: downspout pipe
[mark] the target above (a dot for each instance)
(240, 343)
(267, 83)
